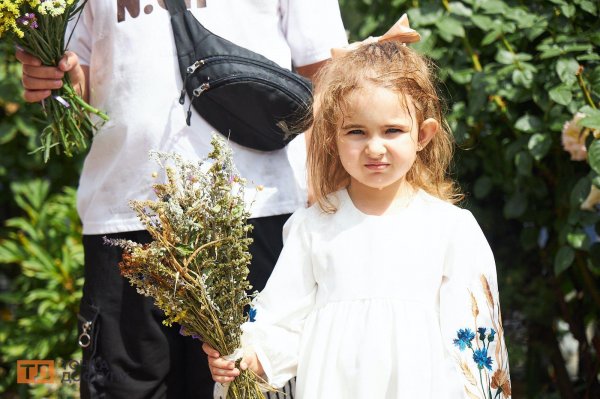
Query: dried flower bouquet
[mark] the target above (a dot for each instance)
(196, 267)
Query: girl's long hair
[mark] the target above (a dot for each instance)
(394, 66)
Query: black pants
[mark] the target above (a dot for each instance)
(132, 354)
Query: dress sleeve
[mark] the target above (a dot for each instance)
(312, 28)
(280, 309)
(476, 360)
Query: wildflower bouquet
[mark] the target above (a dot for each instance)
(39, 27)
(196, 266)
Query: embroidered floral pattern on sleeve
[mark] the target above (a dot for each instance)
(483, 350)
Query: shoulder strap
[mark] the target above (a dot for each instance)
(175, 6)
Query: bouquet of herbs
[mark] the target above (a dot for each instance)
(39, 27)
(196, 267)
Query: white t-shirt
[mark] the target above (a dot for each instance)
(134, 77)
(387, 307)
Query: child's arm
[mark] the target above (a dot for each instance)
(223, 370)
(470, 318)
(283, 306)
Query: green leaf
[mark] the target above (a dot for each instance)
(459, 9)
(568, 10)
(482, 187)
(561, 94)
(523, 18)
(482, 22)
(524, 163)
(594, 156)
(505, 57)
(522, 78)
(563, 260)
(449, 28)
(539, 145)
(589, 6)
(592, 120)
(528, 124)
(567, 68)
(580, 192)
(8, 131)
(491, 37)
(515, 206)
(461, 76)
(494, 6)
(578, 239)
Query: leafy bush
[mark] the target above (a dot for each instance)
(43, 254)
(23, 303)
(514, 72)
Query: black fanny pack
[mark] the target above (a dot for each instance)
(243, 95)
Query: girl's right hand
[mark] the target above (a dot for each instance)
(224, 371)
(39, 80)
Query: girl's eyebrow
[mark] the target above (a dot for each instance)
(389, 125)
(351, 126)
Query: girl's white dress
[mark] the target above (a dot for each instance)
(383, 307)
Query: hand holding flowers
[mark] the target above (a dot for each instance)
(38, 28)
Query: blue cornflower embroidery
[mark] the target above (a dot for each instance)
(480, 356)
(491, 336)
(481, 331)
(464, 338)
(252, 314)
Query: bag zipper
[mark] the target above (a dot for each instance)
(215, 59)
(221, 81)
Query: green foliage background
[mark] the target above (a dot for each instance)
(512, 72)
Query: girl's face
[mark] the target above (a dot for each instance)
(378, 138)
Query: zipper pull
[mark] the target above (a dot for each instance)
(197, 91)
(189, 72)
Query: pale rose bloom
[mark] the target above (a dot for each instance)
(573, 138)
(592, 199)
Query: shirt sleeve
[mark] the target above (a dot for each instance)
(476, 360)
(78, 35)
(312, 28)
(282, 307)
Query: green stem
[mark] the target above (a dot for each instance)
(583, 86)
(482, 386)
(474, 57)
(588, 281)
(511, 50)
(71, 91)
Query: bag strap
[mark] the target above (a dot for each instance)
(175, 6)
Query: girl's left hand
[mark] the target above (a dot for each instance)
(224, 371)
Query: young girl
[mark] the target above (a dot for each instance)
(384, 288)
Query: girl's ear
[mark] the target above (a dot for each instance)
(427, 130)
